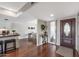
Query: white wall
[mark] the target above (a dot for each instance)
(48, 31)
(77, 33)
(20, 23)
(5, 24)
(19, 27)
(58, 32)
(22, 28)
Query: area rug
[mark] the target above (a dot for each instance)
(64, 51)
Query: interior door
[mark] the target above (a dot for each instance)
(67, 33)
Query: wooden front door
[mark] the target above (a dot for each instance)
(67, 33)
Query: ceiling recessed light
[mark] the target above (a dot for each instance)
(51, 15)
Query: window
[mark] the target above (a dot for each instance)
(66, 29)
(53, 31)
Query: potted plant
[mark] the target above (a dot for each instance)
(13, 31)
(42, 27)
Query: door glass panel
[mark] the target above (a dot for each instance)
(66, 29)
(52, 31)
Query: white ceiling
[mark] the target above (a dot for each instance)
(42, 10)
(23, 18)
(13, 6)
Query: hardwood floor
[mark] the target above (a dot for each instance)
(28, 49)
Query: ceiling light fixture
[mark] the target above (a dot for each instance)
(51, 15)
